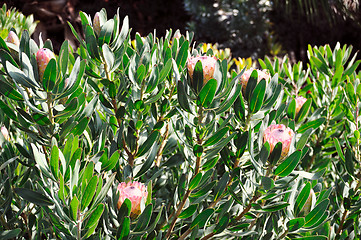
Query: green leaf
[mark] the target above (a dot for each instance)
(251, 84)
(226, 104)
(316, 213)
(195, 181)
(153, 137)
(182, 55)
(8, 111)
(207, 93)
(10, 234)
(197, 79)
(111, 162)
(80, 127)
(125, 229)
(221, 186)
(20, 77)
(347, 111)
(265, 152)
(312, 124)
(6, 57)
(302, 198)
(216, 137)
(74, 207)
(315, 237)
(144, 218)
(291, 110)
(94, 217)
(165, 70)
(54, 161)
(267, 183)
(337, 77)
(223, 223)
(188, 212)
(183, 97)
(41, 119)
(10, 92)
(258, 96)
(49, 77)
(69, 109)
(203, 190)
(91, 43)
(106, 32)
(33, 197)
(339, 149)
(321, 65)
(349, 162)
(289, 164)
(202, 218)
(197, 150)
(303, 139)
(295, 224)
(275, 207)
(104, 190)
(108, 57)
(304, 110)
(89, 192)
(276, 153)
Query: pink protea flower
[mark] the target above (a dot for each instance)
(279, 133)
(43, 56)
(208, 64)
(135, 192)
(5, 133)
(299, 103)
(96, 23)
(13, 38)
(247, 74)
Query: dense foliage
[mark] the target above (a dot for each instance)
(190, 138)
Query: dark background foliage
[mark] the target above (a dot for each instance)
(249, 28)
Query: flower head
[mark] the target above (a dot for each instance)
(135, 192)
(96, 23)
(13, 38)
(279, 133)
(43, 56)
(299, 103)
(208, 64)
(5, 133)
(247, 74)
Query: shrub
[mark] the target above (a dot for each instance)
(117, 140)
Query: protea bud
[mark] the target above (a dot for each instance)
(299, 103)
(5, 133)
(43, 56)
(96, 23)
(13, 38)
(247, 74)
(208, 64)
(177, 35)
(279, 133)
(135, 192)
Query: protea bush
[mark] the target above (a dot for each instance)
(122, 140)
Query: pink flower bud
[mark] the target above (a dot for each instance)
(208, 64)
(5, 133)
(279, 133)
(135, 192)
(177, 35)
(43, 56)
(13, 38)
(96, 23)
(247, 74)
(299, 103)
